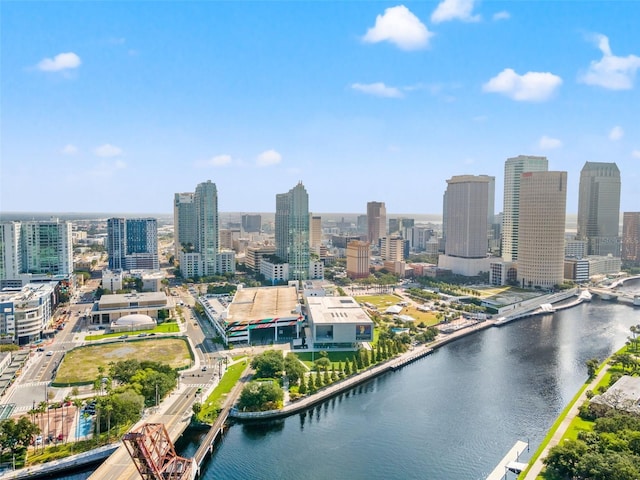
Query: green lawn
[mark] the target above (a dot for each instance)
(80, 365)
(335, 357)
(167, 327)
(380, 301)
(211, 405)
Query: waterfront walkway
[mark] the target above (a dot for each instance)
(538, 465)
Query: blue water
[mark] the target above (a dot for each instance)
(83, 428)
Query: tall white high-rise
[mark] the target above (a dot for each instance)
(599, 208)
(10, 250)
(513, 169)
(543, 200)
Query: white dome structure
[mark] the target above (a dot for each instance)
(134, 321)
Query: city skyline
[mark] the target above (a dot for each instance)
(142, 99)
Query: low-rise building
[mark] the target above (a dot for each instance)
(111, 307)
(257, 315)
(337, 322)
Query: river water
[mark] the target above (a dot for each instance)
(452, 415)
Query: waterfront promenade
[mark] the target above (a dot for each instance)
(560, 431)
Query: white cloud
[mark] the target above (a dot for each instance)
(69, 149)
(454, 10)
(378, 89)
(268, 157)
(611, 72)
(616, 133)
(549, 143)
(220, 160)
(108, 150)
(530, 87)
(400, 27)
(62, 61)
(635, 154)
(503, 15)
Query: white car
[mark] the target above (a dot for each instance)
(49, 353)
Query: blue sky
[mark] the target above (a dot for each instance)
(114, 106)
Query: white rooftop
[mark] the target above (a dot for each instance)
(332, 310)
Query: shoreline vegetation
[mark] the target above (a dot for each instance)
(578, 420)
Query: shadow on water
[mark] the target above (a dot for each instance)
(255, 431)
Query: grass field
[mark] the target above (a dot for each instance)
(81, 364)
(168, 327)
(382, 302)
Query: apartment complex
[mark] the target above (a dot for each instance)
(198, 233)
(543, 199)
(292, 231)
(599, 208)
(132, 244)
(35, 248)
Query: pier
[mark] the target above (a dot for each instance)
(509, 462)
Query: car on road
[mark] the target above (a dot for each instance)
(142, 334)
(49, 353)
(204, 369)
(38, 440)
(40, 349)
(123, 336)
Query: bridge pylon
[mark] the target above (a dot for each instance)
(154, 454)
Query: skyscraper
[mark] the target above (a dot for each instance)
(466, 216)
(184, 222)
(208, 228)
(543, 199)
(48, 247)
(315, 234)
(197, 224)
(631, 238)
(35, 247)
(10, 250)
(599, 208)
(513, 169)
(116, 243)
(251, 223)
(358, 256)
(132, 244)
(292, 231)
(376, 221)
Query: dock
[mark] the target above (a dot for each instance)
(510, 462)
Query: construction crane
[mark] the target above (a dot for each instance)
(154, 455)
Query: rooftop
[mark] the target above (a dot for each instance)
(117, 298)
(251, 304)
(332, 310)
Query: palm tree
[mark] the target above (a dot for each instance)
(67, 400)
(108, 408)
(77, 403)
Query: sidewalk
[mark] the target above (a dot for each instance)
(564, 425)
